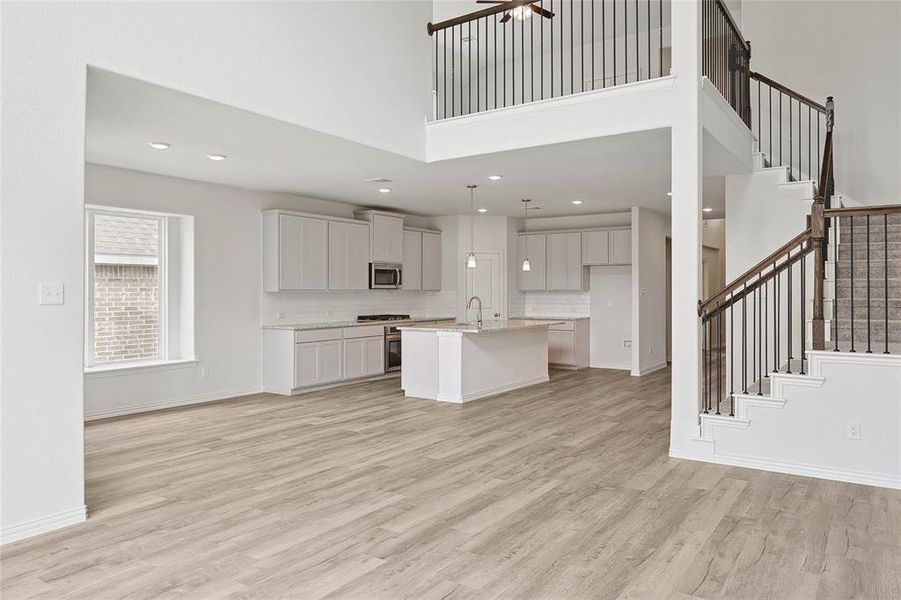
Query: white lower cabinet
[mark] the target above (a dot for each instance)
(318, 363)
(567, 344)
(364, 357)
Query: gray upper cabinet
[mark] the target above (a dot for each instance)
(595, 247)
(564, 261)
(348, 255)
(431, 261)
(620, 246)
(534, 247)
(387, 237)
(412, 260)
(295, 252)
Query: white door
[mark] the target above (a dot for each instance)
(487, 281)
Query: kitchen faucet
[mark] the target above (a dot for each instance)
(469, 305)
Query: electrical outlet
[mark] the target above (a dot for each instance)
(852, 430)
(627, 343)
(644, 292)
(204, 372)
(279, 315)
(609, 302)
(51, 293)
(651, 349)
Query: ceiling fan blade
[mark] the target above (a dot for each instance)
(506, 17)
(540, 11)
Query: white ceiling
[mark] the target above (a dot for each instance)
(609, 174)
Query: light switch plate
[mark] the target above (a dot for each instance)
(51, 293)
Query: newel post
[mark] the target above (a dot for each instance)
(817, 238)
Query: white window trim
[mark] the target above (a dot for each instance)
(163, 293)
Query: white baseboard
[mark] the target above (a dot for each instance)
(807, 470)
(171, 403)
(44, 524)
(611, 366)
(646, 370)
(494, 390)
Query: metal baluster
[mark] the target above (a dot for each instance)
(761, 311)
(649, 37)
(835, 252)
(731, 343)
(744, 339)
(562, 50)
(719, 368)
(885, 274)
(770, 115)
(604, 43)
(478, 66)
(705, 357)
(444, 70)
(522, 64)
(461, 69)
(592, 45)
(803, 308)
(660, 29)
(495, 59)
(551, 55)
(754, 333)
(637, 52)
(532, 59)
(614, 42)
(541, 37)
(765, 372)
(512, 23)
(776, 319)
(869, 332)
(852, 284)
(788, 314)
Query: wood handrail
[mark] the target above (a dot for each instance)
(826, 169)
(786, 90)
(860, 211)
(474, 16)
(753, 271)
(757, 283)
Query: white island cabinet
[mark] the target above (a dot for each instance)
(458, 363)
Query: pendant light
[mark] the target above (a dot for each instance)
(471, 259)
(526, 265)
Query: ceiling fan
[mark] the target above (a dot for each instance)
(521, 12)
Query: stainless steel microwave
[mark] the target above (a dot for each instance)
(385, 276)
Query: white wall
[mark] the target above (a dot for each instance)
(649, 232)
(856, 60)
(275, 59)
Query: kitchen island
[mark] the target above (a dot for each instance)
(461, 362)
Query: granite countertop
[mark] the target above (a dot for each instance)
(337, 324)
(552, 318)
(487, 326)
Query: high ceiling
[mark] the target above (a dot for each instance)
(608, 174)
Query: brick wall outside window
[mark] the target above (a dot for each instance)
(126, 312)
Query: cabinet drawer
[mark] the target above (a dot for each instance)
(363, 331)
(564, 326)
(317, 335)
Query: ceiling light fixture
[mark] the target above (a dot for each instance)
(577, 202)
(707, 209)
(160, 145)
(526, 263)
(483, 210)
(384, 190)
(471, 259)
(495, 177)
(216, 157)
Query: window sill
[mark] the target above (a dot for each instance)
(131, 368)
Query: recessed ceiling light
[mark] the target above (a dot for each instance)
(577, 202)
(707, 209)
(495, 177)
(384, 190)
(669, 193)
(216, 157)
(159, 145)
(483, 210)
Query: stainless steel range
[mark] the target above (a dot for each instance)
(393, 351)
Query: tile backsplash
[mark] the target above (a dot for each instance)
(551, 304)
(300, 307)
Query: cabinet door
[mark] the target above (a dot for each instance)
(573, 251)
(331, 361)
(306, 364)
(556, 261)
(303, 253)
(412, 260)
(595, 248)
(348, 256)
(354, 361)
(534, 247)
(374, 355)
(387, 239)
(431, 261)
(561, 347)
(620, 246)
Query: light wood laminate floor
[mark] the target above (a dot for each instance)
(563, 490)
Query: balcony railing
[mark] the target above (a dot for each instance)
(528, 50)
(726, 57)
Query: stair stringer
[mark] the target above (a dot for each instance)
(793, 399)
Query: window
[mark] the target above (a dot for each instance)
(137, 296)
